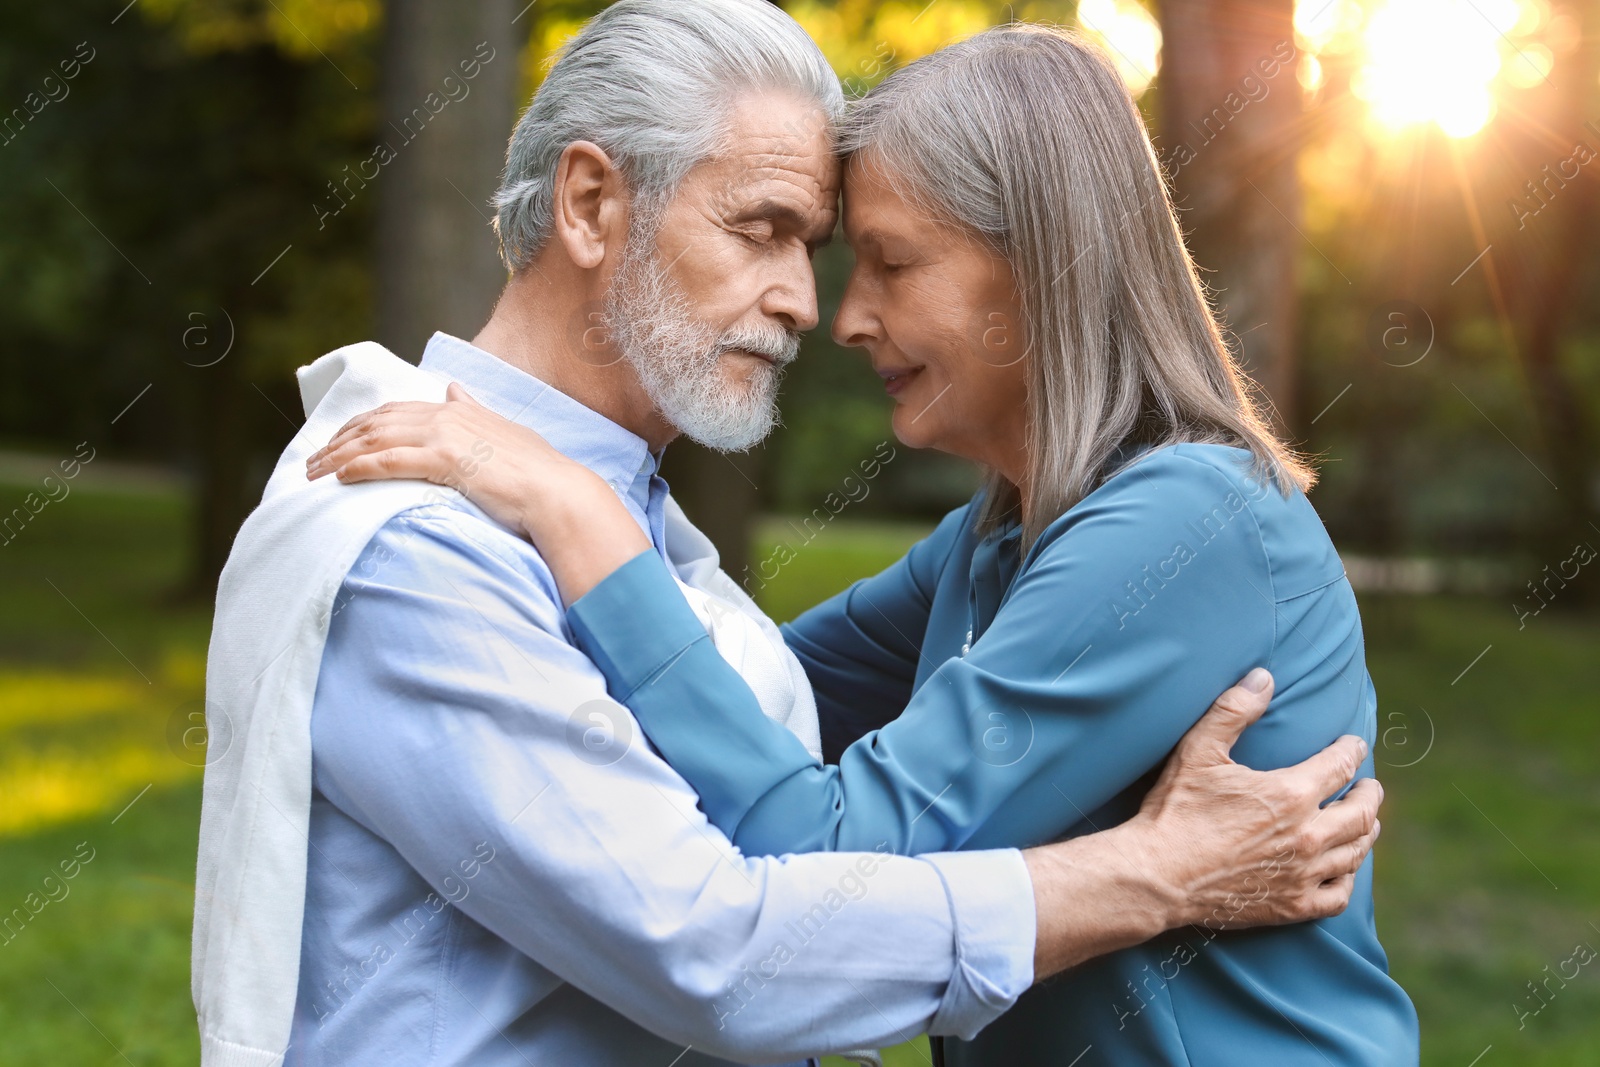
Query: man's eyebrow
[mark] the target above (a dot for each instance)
(785, 214)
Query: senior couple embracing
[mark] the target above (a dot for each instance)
(515, 774)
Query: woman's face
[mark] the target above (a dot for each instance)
(938, 313)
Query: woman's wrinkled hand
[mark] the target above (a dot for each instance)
(499, 465)
(571, 515)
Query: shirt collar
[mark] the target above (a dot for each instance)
(578, 432)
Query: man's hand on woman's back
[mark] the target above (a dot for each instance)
(1215, 844)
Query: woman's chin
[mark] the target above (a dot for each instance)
(910, 429)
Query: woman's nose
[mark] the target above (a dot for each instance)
(856, 322)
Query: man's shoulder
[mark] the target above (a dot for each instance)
(448, 547)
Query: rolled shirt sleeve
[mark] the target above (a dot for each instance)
(466, 716)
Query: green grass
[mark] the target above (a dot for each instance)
(95, 661)
(1488, 871)
(1489, 867)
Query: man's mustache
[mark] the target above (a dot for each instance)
(779, 345)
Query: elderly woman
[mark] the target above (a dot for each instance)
(1142, 539)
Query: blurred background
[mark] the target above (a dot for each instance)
(1396, 202)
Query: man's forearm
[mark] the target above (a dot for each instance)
(1095, 895)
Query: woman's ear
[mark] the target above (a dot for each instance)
(590, 204)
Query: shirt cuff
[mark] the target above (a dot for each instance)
(992, 911)
(634, 623)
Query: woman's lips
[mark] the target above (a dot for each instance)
(894, 381)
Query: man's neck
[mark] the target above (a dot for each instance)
(549, 331)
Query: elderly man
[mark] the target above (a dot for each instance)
(431, 838)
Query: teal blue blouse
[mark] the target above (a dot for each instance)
(974, 696)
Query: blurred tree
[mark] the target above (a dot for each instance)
(1548, 269)
(1462, 422)
(1229, 106)
(448, 104)
(163, 268)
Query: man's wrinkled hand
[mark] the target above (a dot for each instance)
(1240, 847)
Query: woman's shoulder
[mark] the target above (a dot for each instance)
(1188, 479)
(1213, 486)
(1199, 464)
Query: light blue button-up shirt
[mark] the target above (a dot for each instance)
(502, 871)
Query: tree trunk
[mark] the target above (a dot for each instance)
(1229, 102)
(448, 105)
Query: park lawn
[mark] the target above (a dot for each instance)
(95, 662)
(1488, 872)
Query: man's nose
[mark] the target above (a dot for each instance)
(793, 298)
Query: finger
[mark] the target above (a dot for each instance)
(1212, 738)
(352, 431)
(393, 414)
(1331, 898)
(378, 439)
(457, 391)
(1352, 815)
(377, 414)
(341, 451)
(1330, 770)
(403, 462)
(1343, 859)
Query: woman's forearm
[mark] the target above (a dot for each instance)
(701, 713)
(581, 529)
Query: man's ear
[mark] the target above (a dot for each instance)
(590, 204)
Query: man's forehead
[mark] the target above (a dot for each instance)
(750, 171)
(778, 185)
(776, 136)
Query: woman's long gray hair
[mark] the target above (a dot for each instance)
(1028, 136)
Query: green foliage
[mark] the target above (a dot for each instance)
(143, 207)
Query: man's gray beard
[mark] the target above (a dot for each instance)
(678, 358)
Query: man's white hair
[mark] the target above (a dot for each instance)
(651, 82)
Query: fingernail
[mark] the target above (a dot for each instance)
(1256, 681)
(1362, 743)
